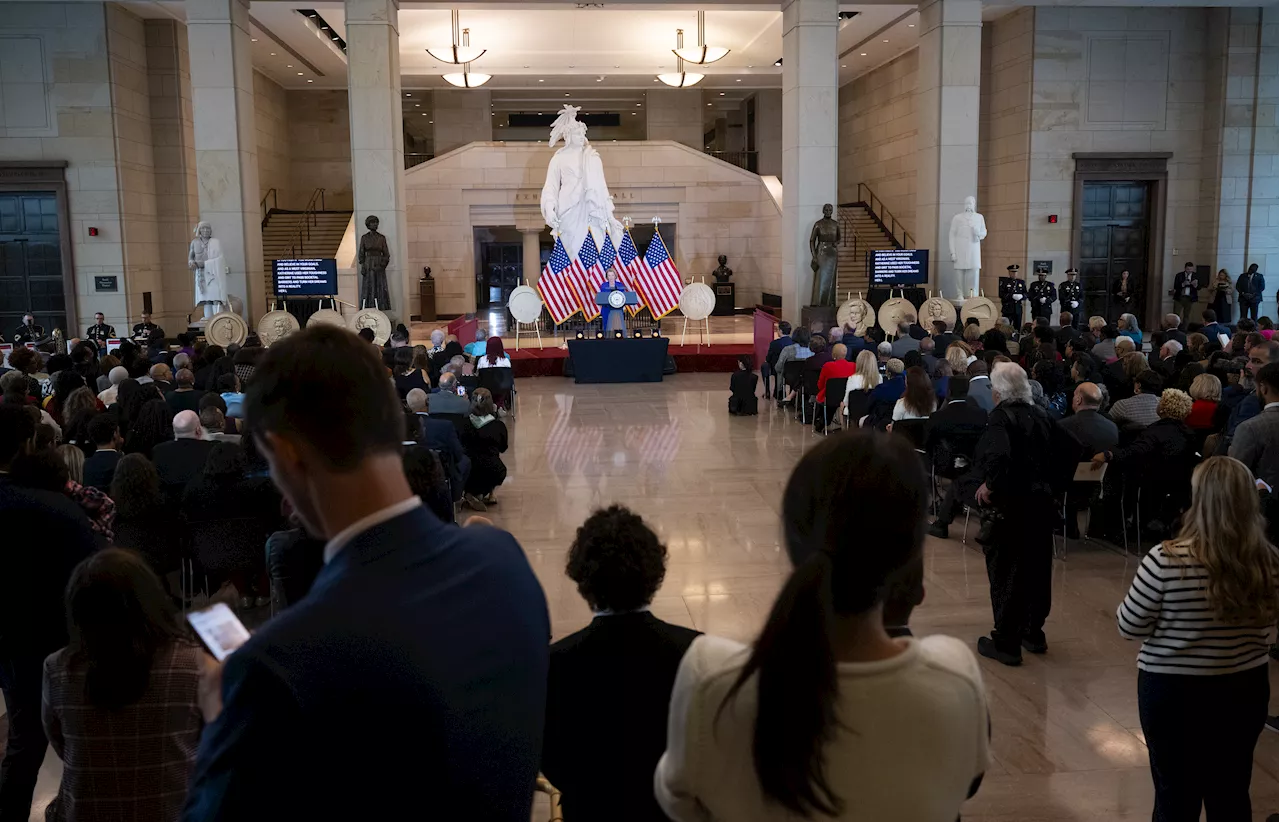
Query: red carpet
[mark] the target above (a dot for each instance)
(549, 362)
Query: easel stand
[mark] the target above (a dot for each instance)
(700, 327)
(536, 330)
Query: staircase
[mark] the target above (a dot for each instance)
(310, 233)
(865, 225)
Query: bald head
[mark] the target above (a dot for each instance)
(186, 426)
(1087, 397)
(416, 400)
(160, 372)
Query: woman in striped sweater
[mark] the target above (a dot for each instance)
(1204, 606)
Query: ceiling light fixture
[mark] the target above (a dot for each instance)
(778, 63)
(311, 81)
(681, 78)
(253, 39)
(911, 25)
(466, 78)
(460, 51)
(299, 74)
(884, 41)
(863, 54)
(701, 54)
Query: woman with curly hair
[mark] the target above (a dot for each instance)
(152, 426)
(81, 406)
(1204, 606)
(618, 564)
(1160, 460)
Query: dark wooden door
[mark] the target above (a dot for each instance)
(31, 262)
(1114, 237)
(500, 267)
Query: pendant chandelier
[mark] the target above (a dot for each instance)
(460, 51)
(701, 54)
(466, 78)
(680, 78)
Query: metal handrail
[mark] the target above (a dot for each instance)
(876, 206)
(308, 220)
(271, 192)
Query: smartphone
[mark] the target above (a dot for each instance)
(219, 629)
(462, 391)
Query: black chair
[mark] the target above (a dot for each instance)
(468, 382)
(835, 395)
(808, 391)
(501, 382)
(912, 430)
(859, 402)
(228, 546)
(791, 376)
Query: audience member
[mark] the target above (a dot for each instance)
(367, 334)
(917, 401)
(1160, 459)
(32, 626)
(230, 391)
(327, 419)
(1105, 349)
(826, 714)
(120, 703)
(838, 366)
(1250, 406)
(1093, 431)
(609, 684)
(1212, 328)
(447, 400)
(426, 476)
(1136, 412)
(942, 338)
(80, 409)
(152, 426)
(413, 370)
(904, 342)
(742, 389)
(441, 436)
(927, 354)
(294, 560)
(959, 356)
(1167, 366)
(214, 424)
(1127, 326)
(769, 368)
(960, 420)
(1255, 441)
(143, 521)
(181, 460)
(117, 375)
(884, 397)
(980, 385)
(1206, 392)
(100, 466)
(43, 468)
(485, 442)
(437, 342)
(476, 349)
(1204, 606)
(884, 352)
(797, 350)
(865, 378)
(161, 377)
(494, 356)
(184, 397)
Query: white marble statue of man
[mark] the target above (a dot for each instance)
(575, 195)
(210, 269)
(968, 230)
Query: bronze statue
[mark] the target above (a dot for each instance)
(723, 272)
(373, 257)
(824, 243)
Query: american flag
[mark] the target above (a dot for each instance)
(554, 287)
(586, 276)
(657, 276)
(609, 259)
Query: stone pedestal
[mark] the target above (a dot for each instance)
(377, 135)
(226, 142)
(532, 265)
(947, 125)
(809, 112)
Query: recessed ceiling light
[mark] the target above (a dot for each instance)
(722, 94)
(311, 81)
(708, 105)
(864, 54)
(542, 81)
(911, 25)
(750, 66)
(430, 122)
(407, 94)
(842, 65)
(289, 65)
(739, 80)
(566, 94)
(633, 114)
(637, 105)
(617, 66)
(253, 39)
(273, 54)
(884, 41)
(417, 105)
(424, 114)
(599, 79)
(299, 74)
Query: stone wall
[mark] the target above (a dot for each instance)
(769, 131)
(674, 114)
(271, 117)
(1004, 142)
(877, 136)
(1117, 80)
(461, 117)
(717, 209)
(319, 136)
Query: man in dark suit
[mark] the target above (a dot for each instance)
(1167, 366)
(941, 337)
(1066, 332)
(610, 683)
(419, 655)
(442, 437)
(100, 466)
(446, 400)
(775, 348)
(1211, 328)
(32, 618)
(180, 461)
(1185, 291)
(1172, 330)
(1096, 434)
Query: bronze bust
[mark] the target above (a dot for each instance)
(723, 273)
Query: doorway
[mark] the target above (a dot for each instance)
(31, 276)
(1115, 236)
(501, 264)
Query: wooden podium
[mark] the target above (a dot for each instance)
(426, 299)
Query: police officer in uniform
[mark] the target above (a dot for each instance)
(100, 332)
(1013, 292)
(1072, 295)
(147, 331)
(28, 332)
(1043, 295)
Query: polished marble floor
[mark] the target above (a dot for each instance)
(1066, 740)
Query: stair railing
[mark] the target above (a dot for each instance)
(887, 221)
(271, 193)
(309, 219)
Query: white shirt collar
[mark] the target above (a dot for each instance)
(1271, 405)
(340, 539)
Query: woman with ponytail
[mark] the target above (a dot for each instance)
(826, 716)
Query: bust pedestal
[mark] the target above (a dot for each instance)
(726, 299)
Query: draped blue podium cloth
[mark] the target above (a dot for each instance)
(613, 298)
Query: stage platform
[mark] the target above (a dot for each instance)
(549, 362)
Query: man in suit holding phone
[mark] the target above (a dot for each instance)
(419, 655)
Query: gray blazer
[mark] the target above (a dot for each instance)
(980, 392)
(443, 402)
(1257, 444)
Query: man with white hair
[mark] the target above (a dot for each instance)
(117, 375)
(1167, 367)
(180, 461)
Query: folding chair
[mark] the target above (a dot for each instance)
(501, 383)
(835, 395)
(791, 376)
(808, 389)
(1084, 474)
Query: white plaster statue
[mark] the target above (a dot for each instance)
(575, 195)
(210, 268)
(968, 230)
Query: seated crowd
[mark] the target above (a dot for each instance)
(423, 647)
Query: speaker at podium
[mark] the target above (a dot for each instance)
(613, 298)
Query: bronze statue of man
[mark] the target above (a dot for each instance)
(824, 244)
(373, 257)
(723, 272)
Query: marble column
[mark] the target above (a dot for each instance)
(226, 142)
(377, 136)
(947, 128)
(809, 113)
(532, 263)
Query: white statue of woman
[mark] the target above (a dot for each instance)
(575, 195)
(968, 230)
(210, 268)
